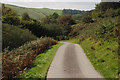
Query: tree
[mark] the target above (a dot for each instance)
(87, 18)
(72, 12)
(25, 16)
(77, 16)
(118, 11)
(103, 6)
(8, 11)
(50, 19)
(66, 20)
(13, 20)
(9, 16)
(55, 15)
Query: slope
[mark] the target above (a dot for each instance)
(33, 12)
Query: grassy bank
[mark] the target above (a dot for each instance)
(103, 55)
(23, 57)
(41, 64)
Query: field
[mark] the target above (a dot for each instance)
(34, 13)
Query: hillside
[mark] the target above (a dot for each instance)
(98, 36)
(33, 12)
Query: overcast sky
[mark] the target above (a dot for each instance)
(55, 4)
(50, 0)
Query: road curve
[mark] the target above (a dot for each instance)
(70, 61)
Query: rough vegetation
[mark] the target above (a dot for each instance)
(15, 61)
(96, 30)
(41, 64)
(19, 49)
(14, 37)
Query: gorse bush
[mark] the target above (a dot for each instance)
(15, 61)
(13, 36)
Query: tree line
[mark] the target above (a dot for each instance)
(51, 26)
(73, 12)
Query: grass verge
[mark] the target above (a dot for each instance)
(41, 64)
(15, 61)
(74, 40)
(103, 56)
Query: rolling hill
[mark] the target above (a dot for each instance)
(35, 13)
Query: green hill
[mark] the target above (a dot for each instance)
(38, 13)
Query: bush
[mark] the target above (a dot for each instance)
(14, 36)
(35, 27)
(118, 12)
(106, 30)
(25, 16)
(53, 30)
(66, 20)
(50, 19)
(77, 17)
(14, 62)
(12, 20)
(87, 18)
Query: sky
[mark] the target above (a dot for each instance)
(55, 4)
(50, 0)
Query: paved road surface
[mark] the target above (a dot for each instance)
(71, 62)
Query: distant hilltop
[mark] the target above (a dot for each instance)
(35, 13)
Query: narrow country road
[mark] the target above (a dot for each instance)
(71, 62)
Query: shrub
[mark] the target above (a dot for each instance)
(25, 16)
(35, 27)
(53, 30)
(12, 20)
(87, 18)
(106, 30)
(103, 6)
(14, 36)
(66, 20)
(77, 17)
(15, 61)
(8, 11)
(50, 19)
(118, 11)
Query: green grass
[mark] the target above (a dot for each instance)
(34, 13)
(42, 63)
(47, 11)
(74, 40)
(86, 30)
(104, 58)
